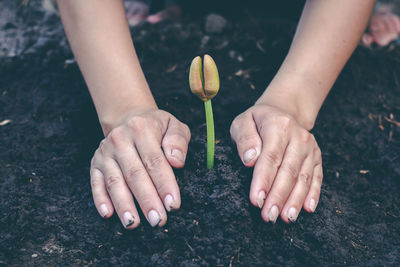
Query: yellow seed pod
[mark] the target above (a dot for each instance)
(204, 86)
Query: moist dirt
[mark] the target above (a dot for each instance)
(47, 215)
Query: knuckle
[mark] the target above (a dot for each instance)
(95, 182)
(319, 177)
(318, 161)
(186, 131)
(235, 125)
(277, 197)
(272, 157)
(96, 160)
(317, 152)
(162, 188)
(111, 181)
(116, 136)
(136, 123)
(262, 127)
(146, 199)
(133, 172)
(175, 138)
(153, 162)
(92, 161)
(239, 121)
(246, 139)
(305, 136)
(102, 146)
(305, 178)
(162, 113)
(284, 123)
(290, 169)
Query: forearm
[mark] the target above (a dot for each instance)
(326, 36)
(100, 39)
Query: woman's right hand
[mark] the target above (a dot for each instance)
(134, 160)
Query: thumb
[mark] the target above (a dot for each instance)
(244, 133)
(175, 142)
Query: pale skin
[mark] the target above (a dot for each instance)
(143, 143)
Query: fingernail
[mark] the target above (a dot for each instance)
(128, 219)
(260, 199)
(249, 155)
(273, 214)
(177, 154)
(104, 210)
(312, 205)
(292, 214)
(169, 202)
(153, 218)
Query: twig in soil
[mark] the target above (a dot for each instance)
(171, 69)
(244, 73)
(391, 214)
(73, 251)
(187, 244)
(252, 86)
(231, 261)
(380, 123)
(393, 121)
(5, 122)
(260, 47)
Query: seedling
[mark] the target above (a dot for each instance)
(204, 83)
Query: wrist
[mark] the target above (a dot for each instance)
(110, 120)
(290, 107)
(293, 96)
(114, 106)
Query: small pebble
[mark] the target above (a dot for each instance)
(215, 23)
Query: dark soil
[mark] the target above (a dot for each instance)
(47, 216)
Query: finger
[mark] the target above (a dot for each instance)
(274, 143)
(141, 185)
(396, 21)
(296, 199)
(312, 199)
(390, 24)
(367, 39)
(284, 182)
(248, 142)
(100, 196)
(120, 194)
(159, 170)
(175, 143)
(136, 170)
(384, 38)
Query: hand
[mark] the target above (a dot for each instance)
(286, 158)
(130, 161)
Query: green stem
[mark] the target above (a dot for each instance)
(210, 134)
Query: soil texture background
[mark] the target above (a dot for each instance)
(49, 132)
